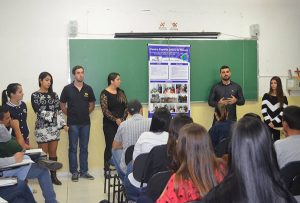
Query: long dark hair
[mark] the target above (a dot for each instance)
(121, 97)
(196, 158)
(279, 91)
(11, 89)
(42, 76)
(175, 125)
(222, 112)
(253, 169)
(160, 121)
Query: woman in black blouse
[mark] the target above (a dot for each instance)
(113, 104)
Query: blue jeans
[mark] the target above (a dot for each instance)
(19, 193)
(43, 176)
(116, 158)
(132, 192)
(81, 133)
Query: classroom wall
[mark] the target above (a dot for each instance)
(34, 38)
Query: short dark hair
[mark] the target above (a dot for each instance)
(134, 106)
(224, 67)
(254, 115)
(3, 110)
(160, 120)
(291, 115)
(76, 68)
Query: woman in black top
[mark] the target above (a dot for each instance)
(12, 99)
(113, 104)
(49, 120)
(272, 107)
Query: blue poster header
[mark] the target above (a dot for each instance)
(158, 53)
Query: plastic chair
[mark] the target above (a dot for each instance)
(128, 154)
(139, 166)
(157, 184)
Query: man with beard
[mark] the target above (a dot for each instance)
(226, 92)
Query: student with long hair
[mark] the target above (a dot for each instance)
(12, 98)
(162, 157)
(253, 175)
(49, 121)
(273, 104)
(221, 129)
(199, 170)
(113, 104)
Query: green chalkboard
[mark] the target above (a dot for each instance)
(130, 59)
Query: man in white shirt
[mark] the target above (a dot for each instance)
(128, 133)
(288, 149)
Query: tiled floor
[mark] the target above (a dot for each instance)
(83, 191)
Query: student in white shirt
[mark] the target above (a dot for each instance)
(158, 135)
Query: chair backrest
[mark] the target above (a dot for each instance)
(139, 166)
(128, 154)
(223, 147)
(291, 174)
(157, 183)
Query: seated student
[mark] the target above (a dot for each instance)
(19, 193)
(157, 135)
(127, 134)
(199, 169)
(161, 157)
(12, 100)
(221, 129)
(30, 172)
(288, 149)
(253, 174)
(9, 145)
(38, 171)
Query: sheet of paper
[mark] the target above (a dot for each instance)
(24, 162)
(7, 181)
(3, 200)
(33, 151)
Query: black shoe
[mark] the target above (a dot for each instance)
(87, 176)
(75, 177)
(51, 165)
(54, 178)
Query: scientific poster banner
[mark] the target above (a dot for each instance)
(169, 78)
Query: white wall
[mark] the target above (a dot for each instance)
(33, 33)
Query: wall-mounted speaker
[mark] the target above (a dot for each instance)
(254, 30)
(73, 28)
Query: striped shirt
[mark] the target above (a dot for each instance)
(271, 110)
(129, 132)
